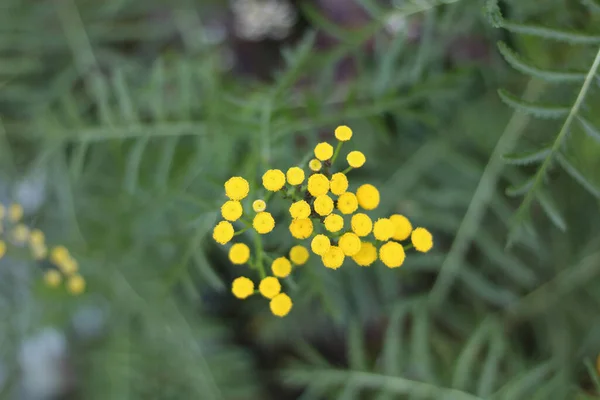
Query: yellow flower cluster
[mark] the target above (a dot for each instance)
(21, 235)
(322, 210)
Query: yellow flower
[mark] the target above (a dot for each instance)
(2, 248)
(315, 165)
(239, 253)
(52, 278)
(20, 233)
(69, 266)
(334, 258)
(367, 254)
(237, 188)
(318, 185)
(323, 151)
(15, 212)
(334, 222)
(299, 255)
(323, 205)
(383, 229)
(422, 240)
(361, 224)
(273, 180)
(301, 228)
(295, 176)
(343, 133)
(242, 287)
(259, 205)
(269, 287)
(59, 255)
(320, 245)
(232, 210)
(300, 210)
(392, 254)
(402, 227)
(347, 203)
(223, 232)
(281, 267)
(281, 305)
(36, 238)
(350, 244)
(356, 159)
(338, 184)
(368, 196)
(76, 285)
(39, 252)
(263, 222)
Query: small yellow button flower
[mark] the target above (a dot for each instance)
(350, 244)
(223, 232)
(334, 258)
(239, 253)
(299, 255)
(301, 228)
(338, 183)
(281, 305)
(52, 278)
(15, 212)
(334, 223)
(315, 165)
(259, 205)
(273, 180)
(20, 233)
(269, 287)
(343, 133)
(422, 240)
(347, 203)
(2, 248)
(383, 229)
(237, 188)
(367, 254)
(368, 196)
(76, 285)
(281, 267)
(356, 159)
(361, 224)
(39, 252)
(295, 176)
(323, 205)
(242, 287)
(232, 210)
(320, 245)
(59, 255)
(263, 222)
(323, 151)
(402, 227)
(69, 266)
(300, 210)
(318, 185)
(36, 238)
(392, 254)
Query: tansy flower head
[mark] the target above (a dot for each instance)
(273, 180)
(315, 165)
(338, 183)
(36, 237)
(52, 278)
(269, 287)
(402, 227)
(320, 245)
(318, 185)
(237, 188)
(239, 253)
(2, 248)
(343, 133)
(422, 240)
(356, 159)
(39, 252)
(368, 196)
(281, 267)
(59, 255)
(300, 210)
(323, 205)
(347, 203)
(263, 222)
(223, 232)
(295, 176)
(299, 255)
(392, 254)
(259, 205)
(383, 229)
(242, 287)
(15, 212)
(324, 151)
(20, 233)
(334, 258)
(76, 285)
(69, 266)
(232, 210)
(350, 244)
(301, 228)
(361, 224)
(367, 254)
(281, 305)
(334, 223)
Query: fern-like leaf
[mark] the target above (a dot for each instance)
(592, 5)
(528, 157)
(551, 210)
(520, 189)
(538, 110)
(589, 129)
(577, 175)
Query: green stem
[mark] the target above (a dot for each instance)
(336, 152)
(408, 246)
(259, 256)
(242, 231)
(347, 170)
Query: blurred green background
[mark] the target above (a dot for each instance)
(121, 119)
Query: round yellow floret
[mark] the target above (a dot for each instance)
(299, 255)
(76, 285)
(367, 254)
(281, 305)
(334, 258)
(15, 212)
(323, 205)
(295, 176)
(383, 229)
(350, 244)
(232, 210)
(338, 183)
(368, 196)
(36, 237)
(263, 222)
(242, 287)
(20, 233)
(223, 232)
(273, 180)
(239, 253)
(347, 203)
(315, 165)
(59, 255)
(402, 227)
(2, 248)
(318, 185)
(52, 278)
(301, 228)
(281, 267)
(237, 188)
(356, 159)
(334, 223)
(323, 151)
(259, 205)
(320, 245)
(39, 251)
(69, 266)
(269, 287)
(300, 210)
(422, 240)
(392, 254)
(343, 133)
(361, 224)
